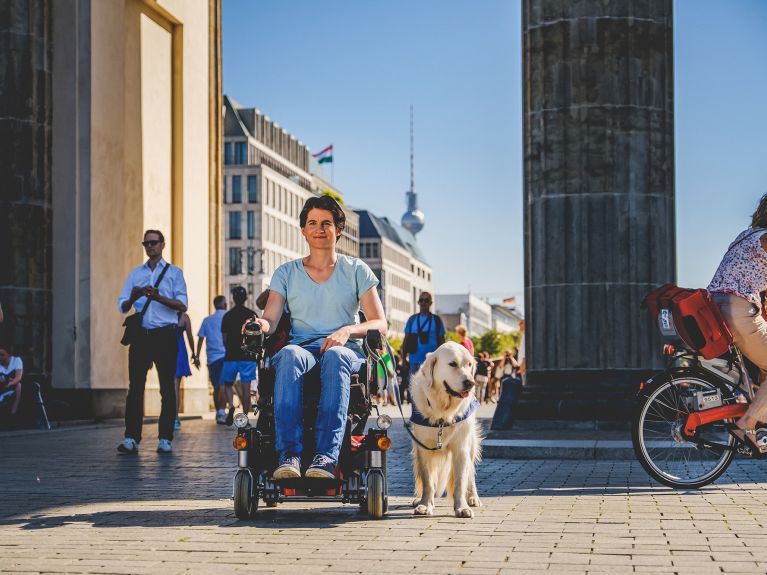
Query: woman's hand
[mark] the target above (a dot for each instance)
(338, 337)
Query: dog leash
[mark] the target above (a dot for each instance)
(378, 359)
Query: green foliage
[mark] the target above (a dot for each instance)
(452, 336)
(495, 342)
(335, 196)
(395, 343)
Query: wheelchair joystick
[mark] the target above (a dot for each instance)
(253, 340)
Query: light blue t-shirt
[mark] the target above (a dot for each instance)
(317, 310)
(214, 340)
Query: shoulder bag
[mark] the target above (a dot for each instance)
(132, 323)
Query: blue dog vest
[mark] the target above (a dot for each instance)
(418, 418)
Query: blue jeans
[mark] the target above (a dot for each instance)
(336, 368)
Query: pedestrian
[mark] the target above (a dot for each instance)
(11, 371)
(424, 333)
(521, 356)
(403, 378)
(465, 340)
(236, 361)
(210, 333)
(481, 376)
(182, 359)
(157, 290)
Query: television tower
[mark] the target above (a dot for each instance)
(413, 219)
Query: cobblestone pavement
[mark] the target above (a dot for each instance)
(71, 505)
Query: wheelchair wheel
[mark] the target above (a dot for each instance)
(245, 504)
(375, 495)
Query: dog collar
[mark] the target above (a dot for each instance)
(418, 418)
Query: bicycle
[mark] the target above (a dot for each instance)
(685, 415)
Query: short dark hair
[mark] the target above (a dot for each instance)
(239, 294)
(219, 302)
(324, 203)
(158, 232)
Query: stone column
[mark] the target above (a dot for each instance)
(599, 198)
(25, 180)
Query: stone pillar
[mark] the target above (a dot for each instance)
(599, 199)
(25, 180)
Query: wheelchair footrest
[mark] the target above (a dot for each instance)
(310, 486)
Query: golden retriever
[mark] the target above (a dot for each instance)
(442, 391)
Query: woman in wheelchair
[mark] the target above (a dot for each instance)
(323, 293)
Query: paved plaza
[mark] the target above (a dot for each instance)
(70, 504)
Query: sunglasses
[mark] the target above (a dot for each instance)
(150, 243)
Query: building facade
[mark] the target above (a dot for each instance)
(393, 255)
(505, 318)
(267, 180)
(467, 309)
(112, 121)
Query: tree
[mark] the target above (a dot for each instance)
(335, 196)
(494, 342)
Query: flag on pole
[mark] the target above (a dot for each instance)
(324, 156)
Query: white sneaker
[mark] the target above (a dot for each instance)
(128, 445)
(164, 446)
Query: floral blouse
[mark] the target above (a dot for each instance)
(743, 270)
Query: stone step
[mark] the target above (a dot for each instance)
(604, 449)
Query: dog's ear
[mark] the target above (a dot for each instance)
(428, 366)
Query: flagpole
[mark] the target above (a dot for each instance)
(333, 166)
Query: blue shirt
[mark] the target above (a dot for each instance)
(211, 331)
(172, 286)
(317, 310)
(431, 328)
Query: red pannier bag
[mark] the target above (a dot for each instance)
(692, 316)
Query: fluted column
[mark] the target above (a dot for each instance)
(25, 179)
(599, 195)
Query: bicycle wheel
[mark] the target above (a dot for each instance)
(662, 448)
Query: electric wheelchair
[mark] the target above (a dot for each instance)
(361, 476)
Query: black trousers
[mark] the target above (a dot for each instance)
(158, 347)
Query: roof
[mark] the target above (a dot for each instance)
(371, 226)
(234, 123)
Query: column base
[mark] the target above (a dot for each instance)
(580, 395)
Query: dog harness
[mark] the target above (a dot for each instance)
(418, 418)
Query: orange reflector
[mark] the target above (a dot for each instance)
(641, 386)
(669, 349)
(384, 443)
(240, 442)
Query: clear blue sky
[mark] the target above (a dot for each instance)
(346, 71)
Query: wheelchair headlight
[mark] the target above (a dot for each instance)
(383, 421)
(241, 420)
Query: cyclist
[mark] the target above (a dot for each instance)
(736, 287)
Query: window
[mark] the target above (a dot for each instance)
(251, 264)
(241, 153)
(235, 226)
(236, 190)
(251, 225)
(224, 195)
(235, 264)
(252, 190)
(228, 153)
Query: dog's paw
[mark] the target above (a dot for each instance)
(416, 502)
(424, 510)
(474, 501)
(464, 512)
